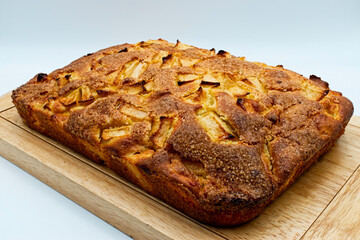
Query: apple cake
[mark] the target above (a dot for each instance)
(211, 134)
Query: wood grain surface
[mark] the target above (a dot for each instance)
(5, 102)
(323, 204)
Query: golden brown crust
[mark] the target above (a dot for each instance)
(211, 134)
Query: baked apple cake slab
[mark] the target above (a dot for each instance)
(211, 134)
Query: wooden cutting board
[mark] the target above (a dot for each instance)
(323, 204)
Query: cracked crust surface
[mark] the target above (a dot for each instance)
(213, 135)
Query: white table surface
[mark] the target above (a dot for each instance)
(309, 37)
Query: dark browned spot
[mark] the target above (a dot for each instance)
(325, 92)
(180, 83)
(128, 81)
(272, 117)
(229, 136)
(123, 50)
(243, 95)
(90, 99)
(177, 42)
(314, 77)
(205, 83)
(222, 53)
(165, 59)
(240, 102)
(67, 76)
(46, 106)
(319, 81)
(245, 80)
(145, 169)
(41, 77)
(279, 65)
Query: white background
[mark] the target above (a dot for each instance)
(309, 37)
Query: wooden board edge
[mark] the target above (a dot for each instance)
(5, 102)
(355, 121)
(314, 231)
(337, 221)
